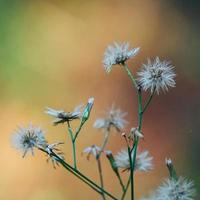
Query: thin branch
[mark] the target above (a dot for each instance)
(126, 189)
(79, 174)
(107, 134)
(101, 176)
(77, 131)
(73, 144)
(148, 101)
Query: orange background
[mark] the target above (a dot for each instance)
(51, 55)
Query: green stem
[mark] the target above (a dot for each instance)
(73, 145)
(90, 181)
(132, 160)
(130, 75)
(172, 172)
(140, 112)
(126, 188)
(115, 169)
(104, 143)
(82, 179)
(93, 183)
(101, 176)
(148, 101)
(134, 148)
(78, 174)
(77, 131)
(121, 182)
(136, 140)
(70, 170)
(131, 173)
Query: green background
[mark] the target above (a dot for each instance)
(51, 55)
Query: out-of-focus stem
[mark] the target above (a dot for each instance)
(107, 134)
(121, 182)
(98, 157)
(126, 188)
(101, 176)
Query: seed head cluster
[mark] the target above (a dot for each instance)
(62, 116)
(118, 53)
(143, 161)
(156, 75)
(27, 138)
(171, 189)
(113, 118)
(92, 150)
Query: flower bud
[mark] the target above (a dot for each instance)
(172, 171)
(134, 132)
(87, 110)
(110, 157)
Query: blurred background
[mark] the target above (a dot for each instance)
(51, 55)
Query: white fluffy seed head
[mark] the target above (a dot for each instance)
(62, 116)
(92, 150)
(143, 161)
(171, 189)
(27, 138)
(52, 150)
(118, 53)
(181, 189)
(156, 75)
(113, 118)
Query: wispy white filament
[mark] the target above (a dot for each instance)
(156, 75)
(181, 189)
(143, 161)
(52, 149)
(92, 150)
(113, 118)
(171, 189)
(62, 116)
(26, 139)
(118, 53)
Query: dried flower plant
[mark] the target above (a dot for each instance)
(154, 77)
